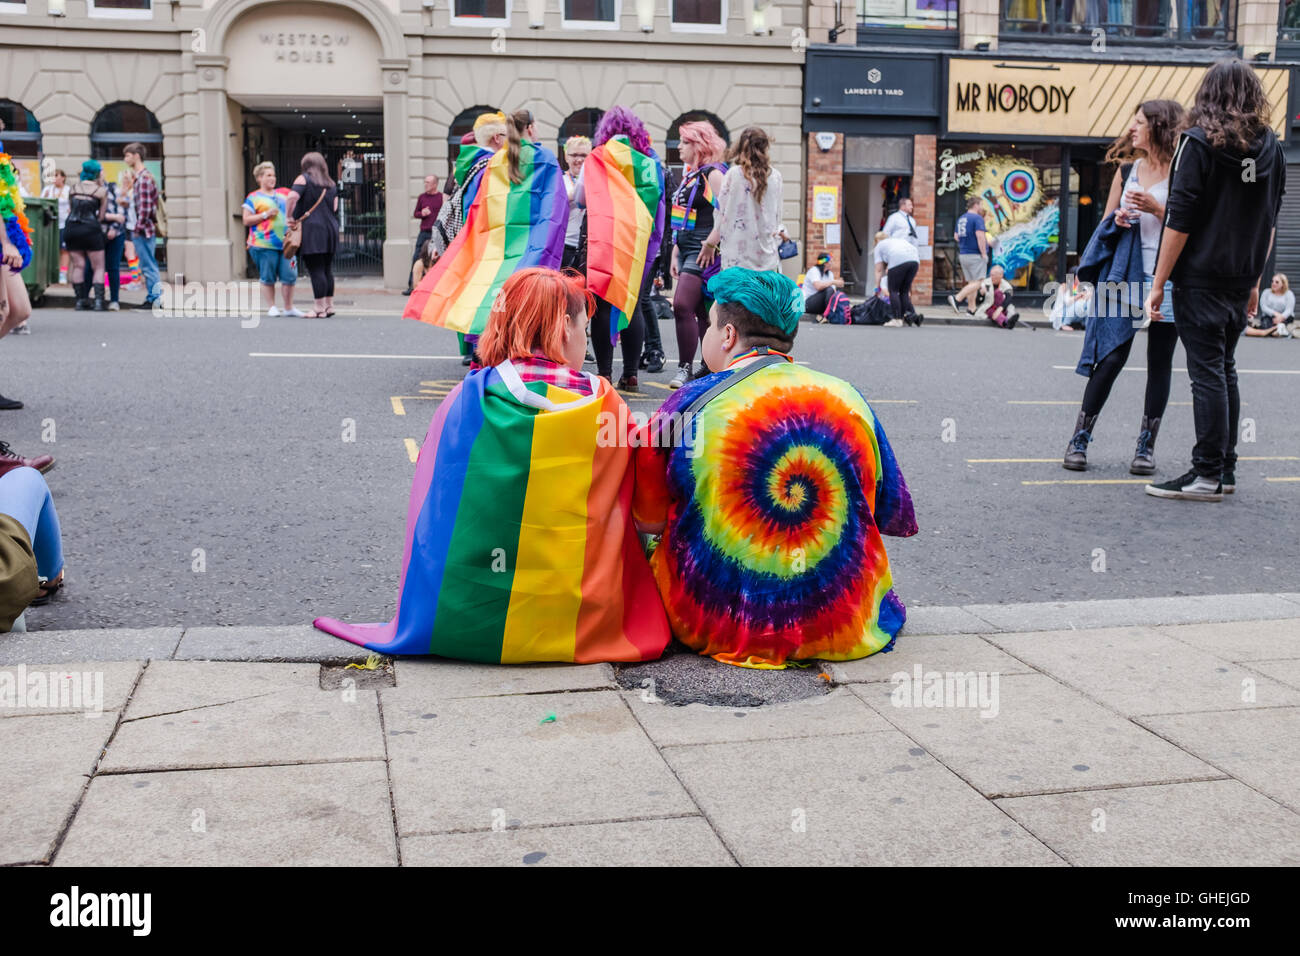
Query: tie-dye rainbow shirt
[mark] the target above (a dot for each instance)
(775, 500)
(268, 234)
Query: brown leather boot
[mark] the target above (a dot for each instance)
(9, 460)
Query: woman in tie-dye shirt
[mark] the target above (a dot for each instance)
(266, 212)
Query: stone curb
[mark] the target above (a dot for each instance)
(303, 643)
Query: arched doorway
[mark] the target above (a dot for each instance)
(112, 128)
(21, 136)
(283, 79)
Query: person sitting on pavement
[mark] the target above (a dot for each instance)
(520, 544)
(818, 282)
(1276, 310)
(771, 484)
(993, 301)
(31, 544)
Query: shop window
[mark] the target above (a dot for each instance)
(121, 123)
(930, 14)
(1020, 192)
(701, 16)
(674, 157)
(1202, 21)
(468, 13)
(578, 123)
(126, 9)
(591, 14)
(21, 136)
(13, 6)
(1288, 21)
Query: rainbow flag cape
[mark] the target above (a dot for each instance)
(772, 550)
(508, 227)
(625, 218)
(519, 539)
(17, 229)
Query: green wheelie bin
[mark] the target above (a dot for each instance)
(43, 270)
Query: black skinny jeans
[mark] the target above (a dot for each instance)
(631, 339)
(1162, 339)
(320, 266)
(1210, 323)
(900, 288)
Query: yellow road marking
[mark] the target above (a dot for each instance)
(412, 449)
(659, 385)
(398, 407)
(1290, 478)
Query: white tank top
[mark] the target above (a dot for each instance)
(1148, 223)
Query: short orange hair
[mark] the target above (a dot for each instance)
(528, 315)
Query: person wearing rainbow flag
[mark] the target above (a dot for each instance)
(520, 544)
(771, 484)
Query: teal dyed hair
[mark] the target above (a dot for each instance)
(771, 296)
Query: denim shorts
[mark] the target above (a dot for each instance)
(272, 267)
(1166, 304)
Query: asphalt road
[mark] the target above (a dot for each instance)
(203, 476)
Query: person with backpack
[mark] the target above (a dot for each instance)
(1225, 193)
(150, 221)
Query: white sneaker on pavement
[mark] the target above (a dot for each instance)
(272, 312)
(294, 313)
(894, 324)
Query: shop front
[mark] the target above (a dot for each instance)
(1029, 138)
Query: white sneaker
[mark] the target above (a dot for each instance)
(894, 324)
(114, 307)
(272, 312)
(1283, 330)
(293, 313)
(22, 329)
(952, 301)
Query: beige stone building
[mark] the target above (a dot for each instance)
(382, 87)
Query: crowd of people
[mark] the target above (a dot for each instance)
(547, 524)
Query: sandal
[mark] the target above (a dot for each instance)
(328, 314)
(48, 588)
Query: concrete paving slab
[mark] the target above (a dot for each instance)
(90, 688)
(1217, 823)
(440, 679)
(943, 620)
(1188, 609)
(106, 644)
(1261, 748)
(310, 815)
(172, 686)
(44, 763)
(866, 799)
(194, 714)
(836, 713)
(681, 841)
(950, 652)
(1137, 670)
(289, 643)
(522, 761)
(1242, 640)
(1044, 738)
(1288, 672)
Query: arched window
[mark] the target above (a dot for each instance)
(22, 141)
(674, 158)
(118, 124)
(462, 124)
(581, 122)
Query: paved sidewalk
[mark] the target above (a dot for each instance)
(1164, 731)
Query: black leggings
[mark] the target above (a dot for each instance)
(631, 339)
(320, 266)
(691, 310)
(1162, 339)
(815, 304)
(900, 288)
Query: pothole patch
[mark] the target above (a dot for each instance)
(683, 677)
(332, 676)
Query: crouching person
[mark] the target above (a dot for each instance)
(519, 537)
(771, 484)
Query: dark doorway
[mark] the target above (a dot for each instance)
(353, 146)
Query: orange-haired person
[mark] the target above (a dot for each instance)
(520, 544)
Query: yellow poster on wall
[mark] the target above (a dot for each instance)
(826, 204)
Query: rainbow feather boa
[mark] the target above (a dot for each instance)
(17, 229)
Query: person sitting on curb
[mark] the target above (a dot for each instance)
(1276, 310)
(771, 484)
(31, 544)
(993, 302)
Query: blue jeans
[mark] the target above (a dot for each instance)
(145, 250)
(273, 267)
(25, 497)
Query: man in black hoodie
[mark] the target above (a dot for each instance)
(1225, 189)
